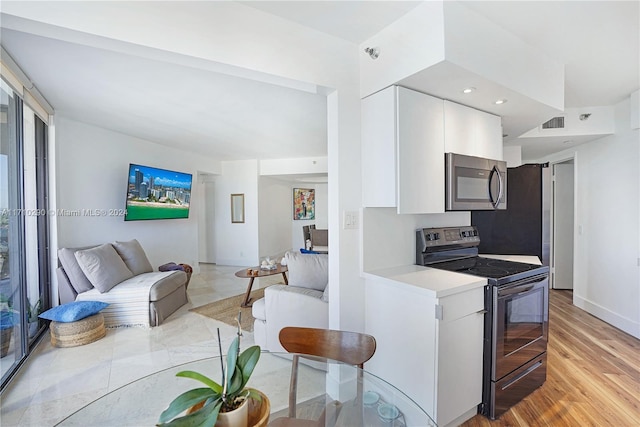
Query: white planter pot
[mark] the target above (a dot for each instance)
(237, 418)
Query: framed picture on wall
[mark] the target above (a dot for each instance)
(304, 203)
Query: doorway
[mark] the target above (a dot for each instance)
(563, 225)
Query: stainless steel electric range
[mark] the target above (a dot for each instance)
(516, 319)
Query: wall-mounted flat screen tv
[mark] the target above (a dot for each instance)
(154, 193)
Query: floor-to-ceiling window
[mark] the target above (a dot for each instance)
(24, 266)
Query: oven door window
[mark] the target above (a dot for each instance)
(523, 320)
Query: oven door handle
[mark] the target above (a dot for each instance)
(497, 201)
(514, 291)
(521, 287)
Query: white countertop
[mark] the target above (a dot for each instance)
(440, 283)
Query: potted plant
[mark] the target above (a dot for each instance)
(6, 324)
(32, 317)
(220, 404)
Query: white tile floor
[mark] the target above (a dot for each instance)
(55, 382)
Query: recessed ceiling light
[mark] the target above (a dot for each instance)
(468, 89)
(500, 101)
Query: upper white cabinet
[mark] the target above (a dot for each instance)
(472, 132)
(403, 151)
(378, 120)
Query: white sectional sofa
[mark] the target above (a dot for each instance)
(303, 302)
(120, 274)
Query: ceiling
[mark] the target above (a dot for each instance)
(229, 117)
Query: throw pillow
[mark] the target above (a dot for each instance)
(103, 267)
(71, 267)
(133, 256)
(73, 311)
(308, 270)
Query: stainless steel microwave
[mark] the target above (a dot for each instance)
(474, 183)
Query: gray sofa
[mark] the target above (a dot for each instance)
(120, 274)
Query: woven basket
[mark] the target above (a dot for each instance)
(81, 332)
(5, 341)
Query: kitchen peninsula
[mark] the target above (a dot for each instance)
(431, 322)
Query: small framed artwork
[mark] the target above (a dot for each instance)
(304, 203)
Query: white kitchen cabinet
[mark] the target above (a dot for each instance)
(403, 151)
(472, 132)
(430, 348)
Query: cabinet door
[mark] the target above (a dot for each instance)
(472, 132)
(459, 134)
(378, 121)
(404, 324)
(459, 367)
(488, 135)
(420, 151)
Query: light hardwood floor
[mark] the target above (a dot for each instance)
(593, 375)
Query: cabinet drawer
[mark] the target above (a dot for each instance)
(462, 304)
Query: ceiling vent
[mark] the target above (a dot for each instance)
(555, 123)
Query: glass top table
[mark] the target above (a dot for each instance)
(141, 402)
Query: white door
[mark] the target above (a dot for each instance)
(563, 226)
(206, 221)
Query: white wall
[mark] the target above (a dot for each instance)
(607, 248)
(389, 239)
(512, 155)
(237, 243)
(91, 173)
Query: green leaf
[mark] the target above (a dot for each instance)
(232, 357)
(204, 417)
(235, 385)
(247, 362)
(203, 379)
(185, 401)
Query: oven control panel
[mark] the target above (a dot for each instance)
(449, 236)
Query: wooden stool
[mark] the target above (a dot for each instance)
(81, 332)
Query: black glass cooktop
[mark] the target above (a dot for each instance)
(496, 270)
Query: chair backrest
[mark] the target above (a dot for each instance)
(319, 237)
(353, 348)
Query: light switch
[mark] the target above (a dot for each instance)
(350, 220)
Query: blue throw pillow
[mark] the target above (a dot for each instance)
(73, 311)
(307, 251)
(6, 320)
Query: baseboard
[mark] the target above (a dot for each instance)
(239, 262)
(624, 324)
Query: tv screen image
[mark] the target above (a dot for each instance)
(154, 193)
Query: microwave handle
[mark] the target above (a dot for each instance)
(500, 187)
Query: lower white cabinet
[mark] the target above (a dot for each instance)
(430, 348)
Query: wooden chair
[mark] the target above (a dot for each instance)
(348, 347)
